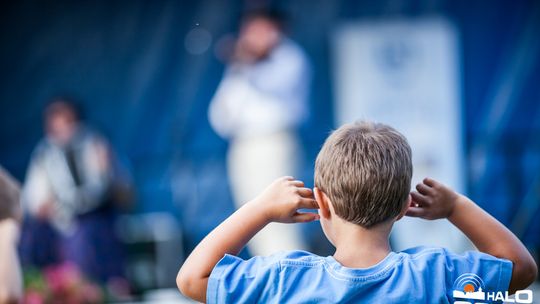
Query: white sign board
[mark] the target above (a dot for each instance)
(406, 73)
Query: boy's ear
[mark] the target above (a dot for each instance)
(323, 202)
(405, 208)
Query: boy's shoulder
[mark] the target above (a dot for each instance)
(273, 263)
(413, 255)
(428, 253)
(292, 258)
(421, 259)
(300, 259)
(298, 256)
(431, 258)
(420, 252)
(416, 255)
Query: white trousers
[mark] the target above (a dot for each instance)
(253, 163)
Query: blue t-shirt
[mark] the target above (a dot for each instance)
(417, 275)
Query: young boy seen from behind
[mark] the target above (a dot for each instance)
(362, 183)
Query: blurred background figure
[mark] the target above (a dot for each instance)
(70, 196)
(10, 217)
(259, 106)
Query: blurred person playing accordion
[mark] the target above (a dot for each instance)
(69, 197)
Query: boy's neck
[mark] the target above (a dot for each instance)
(358, 247)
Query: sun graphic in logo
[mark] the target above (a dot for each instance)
(468, 288)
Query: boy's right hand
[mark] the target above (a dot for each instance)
(432, 200)
(281, 200)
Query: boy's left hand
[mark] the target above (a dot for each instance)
(432, 200)
(281, 200)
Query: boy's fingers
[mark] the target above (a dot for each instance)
(297, 183)
(415, 212)
(423, 189)
(305, 192)
(430, 181)
(418, 198)
(288, 178)
(308, 203)
(305, 217)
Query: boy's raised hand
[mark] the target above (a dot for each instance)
(281, 200)
(432, 200)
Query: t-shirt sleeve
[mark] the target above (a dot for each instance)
(234, 280)
(494, 273)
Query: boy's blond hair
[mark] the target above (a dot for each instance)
(365, 169)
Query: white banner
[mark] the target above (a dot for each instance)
(406, 73)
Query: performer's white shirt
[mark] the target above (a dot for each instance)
(265, 97)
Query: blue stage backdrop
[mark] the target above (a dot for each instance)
(128, 64)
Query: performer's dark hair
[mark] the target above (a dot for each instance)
(61, 103)
(276, 16)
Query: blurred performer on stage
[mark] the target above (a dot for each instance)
(258, 107)
(69, 198)
(10, 217)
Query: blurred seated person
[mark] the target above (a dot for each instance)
(258, 107)
(69, 198)
(10, 217)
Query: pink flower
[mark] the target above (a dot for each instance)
(33, 297)
(68, 285)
